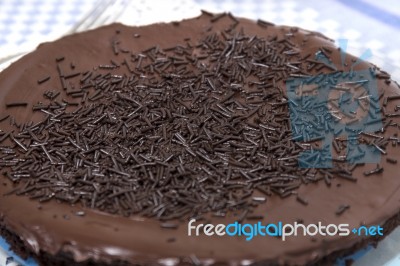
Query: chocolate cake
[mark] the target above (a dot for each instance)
(116, 140)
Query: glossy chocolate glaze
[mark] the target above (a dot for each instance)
(54, 227)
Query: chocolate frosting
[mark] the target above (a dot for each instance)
(53, 228)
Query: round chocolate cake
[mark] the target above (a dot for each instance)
(196, 143)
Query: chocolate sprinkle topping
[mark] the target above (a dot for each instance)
(191, 130)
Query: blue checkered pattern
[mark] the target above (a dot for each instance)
(24, 23)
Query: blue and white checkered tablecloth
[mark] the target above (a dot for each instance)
(25, 23)
(366, 24)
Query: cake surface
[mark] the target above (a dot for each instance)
(218, 59)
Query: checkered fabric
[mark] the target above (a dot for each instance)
(26, 23)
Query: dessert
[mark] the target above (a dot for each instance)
(114, 139)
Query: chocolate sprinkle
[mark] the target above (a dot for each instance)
(43, 80)
(169, 225)
(302, 200)
(16, 104)
(4, 117)
(342, 208)
(391, 160)
(377, 170)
